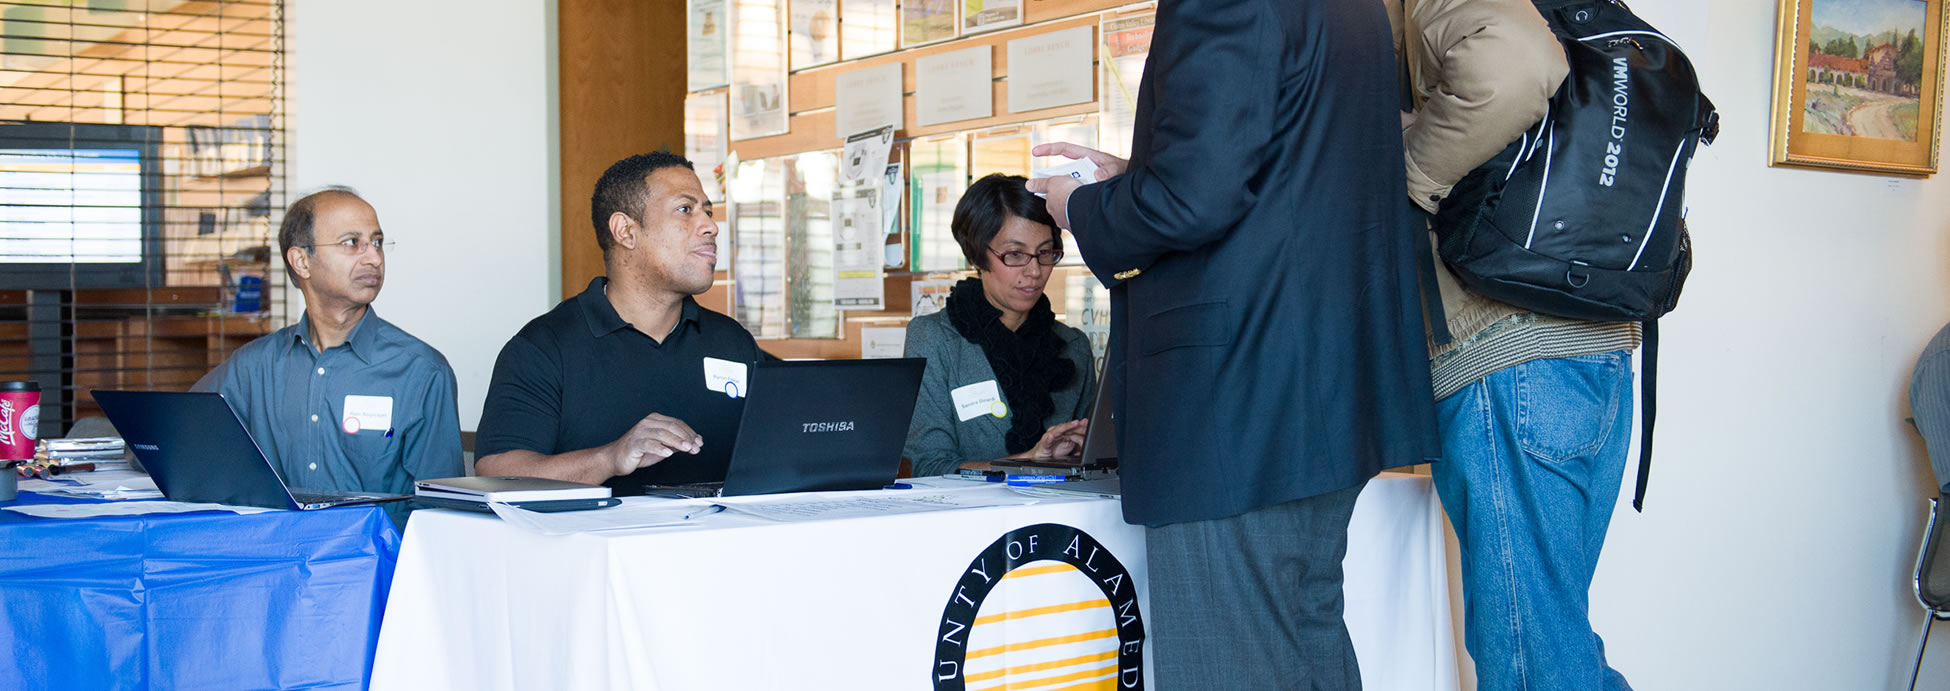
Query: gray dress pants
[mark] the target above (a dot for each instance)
(1253, 601)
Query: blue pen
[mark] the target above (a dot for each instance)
(899, 485)
(1027, 480)
(389, 433)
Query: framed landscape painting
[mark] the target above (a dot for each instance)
(1857, 84)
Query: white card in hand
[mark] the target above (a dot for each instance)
(725, 376)
(1082, 170)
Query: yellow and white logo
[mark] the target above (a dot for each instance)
(1044, 607)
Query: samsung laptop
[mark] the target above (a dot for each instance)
(818, 425)
(197, 450)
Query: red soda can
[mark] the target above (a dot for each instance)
(20, 419)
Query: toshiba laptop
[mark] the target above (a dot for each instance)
(819, 425)
(197, 450)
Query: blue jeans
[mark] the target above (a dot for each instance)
(1532, 460)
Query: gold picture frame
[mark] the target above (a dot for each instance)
(1857, 85)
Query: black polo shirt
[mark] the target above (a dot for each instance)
(579, 377)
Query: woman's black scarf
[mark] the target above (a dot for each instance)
(1028, 362)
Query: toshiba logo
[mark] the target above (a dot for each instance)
(812, 427)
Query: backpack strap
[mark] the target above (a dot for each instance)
(1649, 407)
(1425, 277)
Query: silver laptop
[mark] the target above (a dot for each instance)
(197, 450)
(1100, 441)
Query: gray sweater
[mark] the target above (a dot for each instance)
(937, 440)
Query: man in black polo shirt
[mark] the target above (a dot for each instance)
(630, 383)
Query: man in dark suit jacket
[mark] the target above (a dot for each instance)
(1267, 348)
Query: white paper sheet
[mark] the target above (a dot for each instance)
(1051, 69)
(108, 484)
(131, 508)
(890, 213)
(707, 33)
(868, 27)
(882, 342)
(824, 507)
(705, 141)
(758, 83)
(634, 513)
(928, 297)
(815, 32)
(988, 15)
(868, 98)
(954, 86)
(864, 157)
(1126, 43)
(857, 244)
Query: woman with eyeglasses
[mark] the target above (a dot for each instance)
(1004, 379)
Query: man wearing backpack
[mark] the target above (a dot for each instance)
(1535, 411)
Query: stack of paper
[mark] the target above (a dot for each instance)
(113, 484)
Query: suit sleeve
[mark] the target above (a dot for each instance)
(932, 445)
(1213, 83)
(1497, 66)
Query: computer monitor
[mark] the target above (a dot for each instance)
(80, 206)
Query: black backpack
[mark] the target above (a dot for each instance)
(1584, 217)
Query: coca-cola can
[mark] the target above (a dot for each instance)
(20, 419)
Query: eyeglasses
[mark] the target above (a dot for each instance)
(355, 246)
(1014, 258)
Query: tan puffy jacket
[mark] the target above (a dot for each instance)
(1483, 72)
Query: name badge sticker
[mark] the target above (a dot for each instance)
(978, 399)
(366, 412)
(726, 377)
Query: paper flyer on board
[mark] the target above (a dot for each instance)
(868, 27)
(866, 154)
(1051, 69)
(815, 32)
(706, 44)
(928, 297)
(890, 213)
(988, 15)
(858, 283)
(1126, 43)
(954, 86)
(867, 98)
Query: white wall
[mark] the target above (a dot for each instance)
(1787, 493)
(443, 116)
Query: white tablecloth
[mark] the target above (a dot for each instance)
(863, 603)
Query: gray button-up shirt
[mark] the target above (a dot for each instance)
(371, 414)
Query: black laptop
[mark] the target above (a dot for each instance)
(818, 425)
(197, 450)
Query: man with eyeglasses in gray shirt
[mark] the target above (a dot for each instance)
(343, 400)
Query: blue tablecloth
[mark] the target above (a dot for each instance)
(212, 600)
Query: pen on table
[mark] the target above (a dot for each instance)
(899, 485)
(706, 511)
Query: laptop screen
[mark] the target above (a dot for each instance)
(824, 425)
